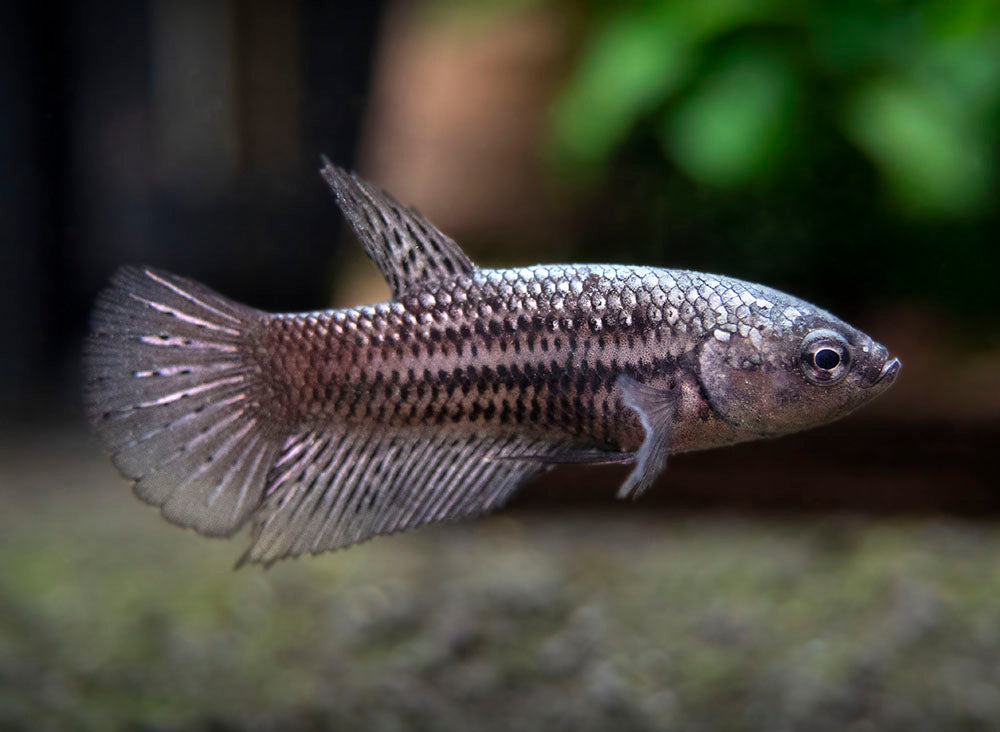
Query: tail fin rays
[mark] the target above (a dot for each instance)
(171, 390)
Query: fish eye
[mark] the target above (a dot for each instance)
(825, 357)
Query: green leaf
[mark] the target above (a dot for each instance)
(630, 65)
(935, 161)
(736, 124)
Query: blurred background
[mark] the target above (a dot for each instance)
(846, 578)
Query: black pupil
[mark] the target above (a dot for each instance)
(826, 359)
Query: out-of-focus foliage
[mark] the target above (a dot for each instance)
(848, 152)
(734, 90)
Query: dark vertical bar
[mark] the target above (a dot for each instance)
(20, 309)
(82, 190)
(338, 45)
(34, 81)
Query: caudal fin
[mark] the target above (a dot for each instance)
(170, 388)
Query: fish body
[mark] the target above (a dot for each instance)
(539, 349)
(327, 428)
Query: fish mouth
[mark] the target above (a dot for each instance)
(889, 371)
(881, 370)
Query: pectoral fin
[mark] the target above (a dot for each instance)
(656, 408)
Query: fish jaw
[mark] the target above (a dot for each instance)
(883, 370)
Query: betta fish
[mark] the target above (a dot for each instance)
(327, 428)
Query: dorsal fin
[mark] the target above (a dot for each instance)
(407, 248)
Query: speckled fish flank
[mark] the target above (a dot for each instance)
(325, 429)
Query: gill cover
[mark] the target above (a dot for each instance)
(817, 371)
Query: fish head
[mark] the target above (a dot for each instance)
(801, 368)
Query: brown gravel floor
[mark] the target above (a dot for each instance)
(610, 616)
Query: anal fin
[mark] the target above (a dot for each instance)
(331, 489)
(573, 455)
